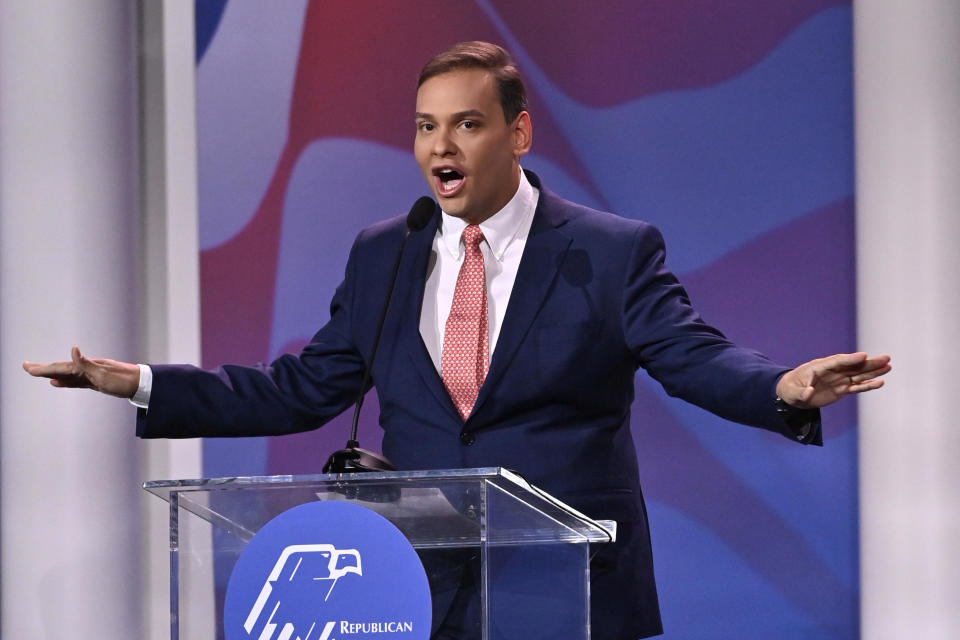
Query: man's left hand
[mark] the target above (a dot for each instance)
(823, 381)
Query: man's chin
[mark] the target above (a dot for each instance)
(458, 207)
(453, 207)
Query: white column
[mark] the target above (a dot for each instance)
(171, 282)
(907, 62)
(69, 542)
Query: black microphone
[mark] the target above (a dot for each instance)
(353, 458)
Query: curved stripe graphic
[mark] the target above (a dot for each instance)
(242, 125)
(716, 166)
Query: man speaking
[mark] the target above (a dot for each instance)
(517, 323)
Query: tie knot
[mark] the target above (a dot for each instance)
(472, 236)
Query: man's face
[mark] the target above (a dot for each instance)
(467, 151)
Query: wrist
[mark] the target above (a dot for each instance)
(803, 423)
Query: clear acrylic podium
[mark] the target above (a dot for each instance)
(525, 553)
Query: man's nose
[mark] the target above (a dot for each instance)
(443, 144)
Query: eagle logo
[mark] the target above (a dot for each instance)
(310, 570)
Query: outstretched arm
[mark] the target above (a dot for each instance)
(106, 376)
(823, 381)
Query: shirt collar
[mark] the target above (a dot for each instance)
(500, 229)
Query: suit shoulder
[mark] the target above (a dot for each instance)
(389, 230)
(580, 220)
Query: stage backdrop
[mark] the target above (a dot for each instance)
(727, 124)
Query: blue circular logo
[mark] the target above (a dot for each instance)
(328, 571)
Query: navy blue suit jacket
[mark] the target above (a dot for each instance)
(592, 303)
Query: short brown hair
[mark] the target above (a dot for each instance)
(489, 57)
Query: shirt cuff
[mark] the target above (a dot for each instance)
(141, 399)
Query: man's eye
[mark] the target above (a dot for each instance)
(467, 124)
(425, 126)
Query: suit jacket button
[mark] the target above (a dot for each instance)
(467, 438)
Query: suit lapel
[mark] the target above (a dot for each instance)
(420, 246)
(542, 255)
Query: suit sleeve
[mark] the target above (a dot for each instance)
(291, 394)
(693, 360)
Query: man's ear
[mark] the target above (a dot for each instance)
(522, 134)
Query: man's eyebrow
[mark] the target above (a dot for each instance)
(469, 113)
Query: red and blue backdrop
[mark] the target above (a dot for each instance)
(729, 125)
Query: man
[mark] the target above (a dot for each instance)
(518, 323)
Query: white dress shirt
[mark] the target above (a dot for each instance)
(505, 235)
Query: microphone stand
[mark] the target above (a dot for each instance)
(352, 458)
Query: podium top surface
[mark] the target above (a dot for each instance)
(404, 497)
(163, 488)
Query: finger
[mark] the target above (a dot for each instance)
(876, 366)
(879, 360)
(834, 380)
(70, 381)
(869, 375)
(48, 370)
(77, 358)
(856, 374)
(842, 361)
(869, 385)
(870, 364)
(876, 369)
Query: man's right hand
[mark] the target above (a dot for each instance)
(106, 376)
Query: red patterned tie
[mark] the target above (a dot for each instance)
(465, 358)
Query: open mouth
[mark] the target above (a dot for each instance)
(448, 181)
